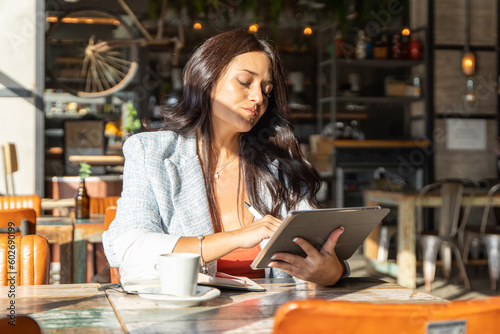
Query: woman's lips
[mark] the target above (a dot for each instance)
(251, 111)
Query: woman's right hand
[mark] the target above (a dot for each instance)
(219, 244)
(252, 234)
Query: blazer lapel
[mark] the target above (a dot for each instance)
(189, 196)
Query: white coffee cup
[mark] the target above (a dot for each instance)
(179, 273)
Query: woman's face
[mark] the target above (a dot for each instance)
(240, 97)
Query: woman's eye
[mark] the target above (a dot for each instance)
(244, 83)
(248, 84)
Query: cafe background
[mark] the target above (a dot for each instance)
(362, 108)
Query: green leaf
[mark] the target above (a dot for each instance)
(85, 170)
(130, 123)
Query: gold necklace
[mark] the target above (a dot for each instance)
(223, 166)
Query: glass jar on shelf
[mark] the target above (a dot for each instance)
(413, 86)
(380, 50)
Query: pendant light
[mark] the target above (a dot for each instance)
(468, 59)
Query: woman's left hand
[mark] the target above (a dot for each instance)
(321, 267)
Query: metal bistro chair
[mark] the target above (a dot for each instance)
(444, 238)
(384, 180)
(320, 316)
(488, 236)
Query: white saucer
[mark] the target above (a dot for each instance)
(202, 293)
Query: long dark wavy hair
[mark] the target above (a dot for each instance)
(272, 138)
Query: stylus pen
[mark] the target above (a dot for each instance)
(254, 212)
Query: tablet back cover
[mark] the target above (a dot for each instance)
(316, 226)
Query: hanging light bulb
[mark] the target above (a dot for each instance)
(470, 97)
(468, 59)
(307, 31)
(197, 26)
(253, 28)
(468, 63)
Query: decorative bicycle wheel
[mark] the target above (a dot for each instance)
(90, 53)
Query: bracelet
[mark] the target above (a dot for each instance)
(204, 268)
(347, 270)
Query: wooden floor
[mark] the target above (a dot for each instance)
(453, 290)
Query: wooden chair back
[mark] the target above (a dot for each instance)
(20, 202)
(10, 166)
(109, 216)
(98, 205)
(19, 221)
(327, 316)
(31, 262)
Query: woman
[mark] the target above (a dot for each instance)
(228, 141)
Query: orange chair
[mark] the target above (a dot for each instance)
(32, 260)
(24, 221)
(98, 205)
(22, 325)
(21, 202)
(326, 316)
(108, 218)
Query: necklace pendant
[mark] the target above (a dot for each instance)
(216, 175)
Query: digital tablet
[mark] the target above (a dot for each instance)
(316, 226)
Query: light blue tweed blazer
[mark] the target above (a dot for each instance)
(164, 193)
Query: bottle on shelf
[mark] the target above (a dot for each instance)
(339, 44)
(82, 201)
(361, 45)
(415, 49)
(369, 48)
(380, 50)
(351, 30)
(405, 44)
(396, 49)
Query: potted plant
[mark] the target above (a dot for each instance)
(130, 121)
